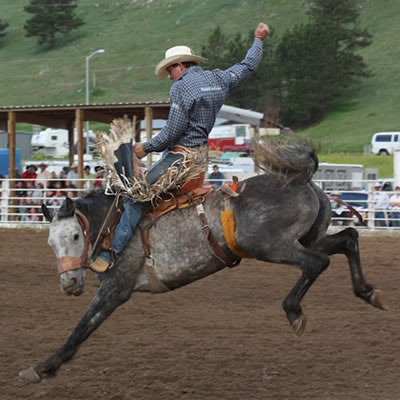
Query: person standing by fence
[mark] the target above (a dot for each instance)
(381, 205)
(394, 204)
(216, 177)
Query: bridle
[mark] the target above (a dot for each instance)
(69, 263)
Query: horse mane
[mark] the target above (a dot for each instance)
(88, 204)
(289, 159)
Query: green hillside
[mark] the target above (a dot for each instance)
(135, 34)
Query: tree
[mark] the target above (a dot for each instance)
(319, 61)
(50, 18)
(3, 27)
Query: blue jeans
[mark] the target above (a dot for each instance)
(380, 218)
(395, 216)
(134, 209)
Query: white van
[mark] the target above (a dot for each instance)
(384, 143)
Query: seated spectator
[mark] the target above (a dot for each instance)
(100, 173)
(20, 189)
(52, 181)
(216, 177)
(69, 185)
(34, 216)
(63, 177)
(56, 200)
(30, 188)
(37, 193)
(394, 203)
(23, 210)
(89, 183)
(73, 174)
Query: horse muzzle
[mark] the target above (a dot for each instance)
(72, 283)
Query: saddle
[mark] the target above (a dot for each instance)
(192, 193)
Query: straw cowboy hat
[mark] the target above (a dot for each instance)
(175, 55)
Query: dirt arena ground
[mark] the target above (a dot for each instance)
(225, 337)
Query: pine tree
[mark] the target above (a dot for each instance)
(319, 60)
(50, 18)
(3, 27)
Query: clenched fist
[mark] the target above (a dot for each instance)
(262, 31)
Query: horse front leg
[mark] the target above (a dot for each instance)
(108, 298)
(346, 242)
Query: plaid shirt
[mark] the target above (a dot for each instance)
(196, 98)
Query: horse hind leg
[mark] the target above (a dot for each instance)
(346, 242)
(312, 263)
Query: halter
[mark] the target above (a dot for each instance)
(69, 263)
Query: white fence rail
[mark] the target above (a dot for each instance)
(22, 205)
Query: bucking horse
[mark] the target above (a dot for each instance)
(278, 216)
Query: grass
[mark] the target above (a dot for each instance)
(383, 163)
(135, 35)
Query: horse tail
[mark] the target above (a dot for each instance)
(288, 159)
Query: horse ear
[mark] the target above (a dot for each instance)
(69, 206)
(47, 213)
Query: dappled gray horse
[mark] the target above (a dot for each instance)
(280, 217)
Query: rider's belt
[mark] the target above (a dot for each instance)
(180, 149)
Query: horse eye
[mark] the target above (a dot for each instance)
(76, 236)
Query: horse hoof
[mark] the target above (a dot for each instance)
(299, 325)
(30, 375)
(378, 300)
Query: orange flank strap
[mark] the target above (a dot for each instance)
(228, 225)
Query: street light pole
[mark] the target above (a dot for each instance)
(87, 91)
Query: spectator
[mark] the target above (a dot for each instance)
(394, 203)
(52, 181)
(381, 205)
(56, 200)
(216, 177)
(339, 214)
(89, 182)
(43, 176)
(63, 177)
(29, 174)
(38, 193)
(23, 210)
(19, 189)
(30, 188)
(73, 174)
(34, 216)
(99, 170)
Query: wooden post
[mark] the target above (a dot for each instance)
(79, 127)
(148, 115)
(71, 139)
(12, 133)
(137, 131)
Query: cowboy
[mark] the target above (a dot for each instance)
(44, 175)
(196, 97)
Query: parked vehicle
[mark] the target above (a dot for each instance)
(54, 142)
(384, 143)
(230, 138)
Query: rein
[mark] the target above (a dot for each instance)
(69, 263)
(352, 210)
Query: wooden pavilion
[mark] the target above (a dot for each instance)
(72, 116)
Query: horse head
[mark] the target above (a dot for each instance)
(68, 237)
